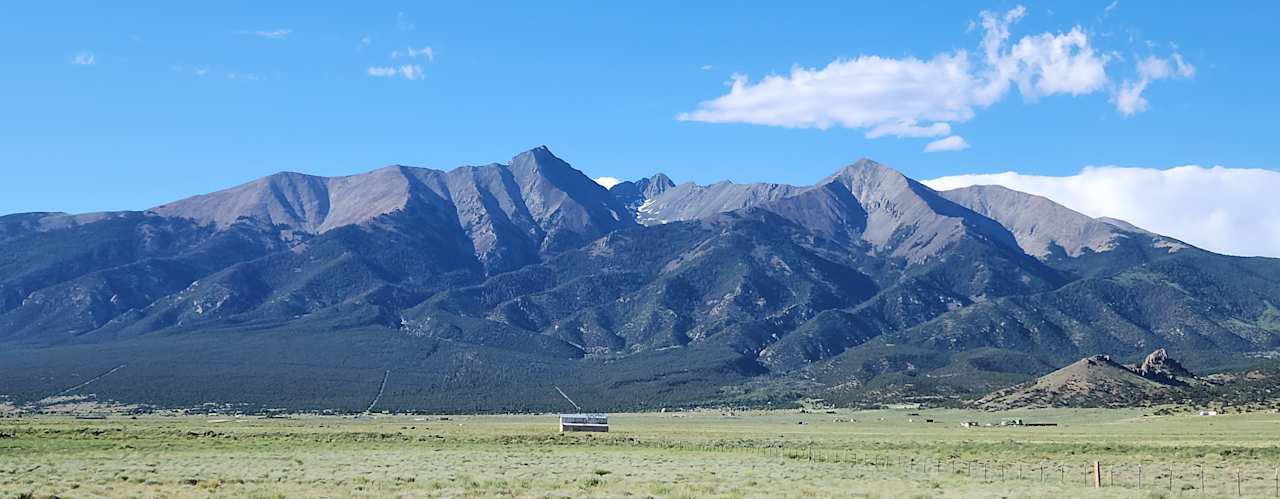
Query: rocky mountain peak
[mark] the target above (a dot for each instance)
(539, 157)
(866, 178)
(634, 193)
(657, 184)
(908, 219)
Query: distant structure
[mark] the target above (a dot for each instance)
(582, 422)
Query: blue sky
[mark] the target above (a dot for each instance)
(125, 107)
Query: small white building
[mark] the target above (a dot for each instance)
(584, 422)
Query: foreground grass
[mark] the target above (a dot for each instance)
(699, 454)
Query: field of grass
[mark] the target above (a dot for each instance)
(889, 453)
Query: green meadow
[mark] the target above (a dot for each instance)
(817, 453)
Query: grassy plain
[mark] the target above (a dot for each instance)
(889, 453)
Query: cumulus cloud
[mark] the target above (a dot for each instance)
(83, 59)
(1227, 210)
(607, 182)
(866, 92)
(952, 143)
(407, 71)
(918, 97)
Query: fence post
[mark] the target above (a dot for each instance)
(1202, 480)
(1097, 474)
(1139, 477)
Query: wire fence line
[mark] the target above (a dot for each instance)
(1186, 479)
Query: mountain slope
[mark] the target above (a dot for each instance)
(866, 286)
(291, 245)
(1092, 381)
(690, 201)
(634, 194)
(1063, 238)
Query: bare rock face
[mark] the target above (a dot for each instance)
(511, 214)
(690, 201)
(1048, 230)
(1159, 366)
(634, 194)
(569, 207)
(1038, 223)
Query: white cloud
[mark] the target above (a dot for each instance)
(200, 71)
(865, 92)
(917, 97)
(1110, 7)
(706, 67)
(407, 71)
(909, 129)
(411, 52)
(607, 182)
(1128, 98)
(366, 40)
(952, 143)
(1227, 210)
(275, 34)
(84, 59)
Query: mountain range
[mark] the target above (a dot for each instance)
(484, 287)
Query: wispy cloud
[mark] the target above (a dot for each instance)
(915, 97)
(200, 71)
(952, 143)
(411, 52)
(1228, 210)
(406, 71)
(706, 67)
(409, 71)
(275, 34)
(366, 40)
(83, 59)
(1129, 100)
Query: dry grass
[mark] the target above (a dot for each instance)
(704, 454)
